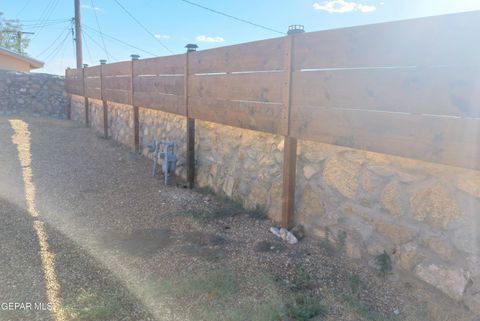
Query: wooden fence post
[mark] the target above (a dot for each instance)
(104, 102)
(190, 125)
(85, 98)
(290, 143)
(136, 124)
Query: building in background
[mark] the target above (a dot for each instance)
(10, 60)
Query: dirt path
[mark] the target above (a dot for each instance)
(85, 226)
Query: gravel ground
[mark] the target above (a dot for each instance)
(128, 248)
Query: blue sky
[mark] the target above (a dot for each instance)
(176, 23)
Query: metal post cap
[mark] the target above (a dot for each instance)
(191, 47)
(296, 29)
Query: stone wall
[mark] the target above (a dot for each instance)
(39, 94)
(426, 216)
(77, 109)
(242, 164)
(155, 124)
(120, 118)
(96, 115)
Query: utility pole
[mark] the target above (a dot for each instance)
(78, 34)
(19, 39)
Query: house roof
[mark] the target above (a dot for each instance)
(34, 64)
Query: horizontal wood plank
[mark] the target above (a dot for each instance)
(262, 87)
(117, 96)
(164, 102)
(169, 65)
(446, 140)
(248, 115)
(160, 84)
(93, 82)
(452, 91)
(252, 56)
(74, 81)
(120, 83)
(439, 40)
(117, 69)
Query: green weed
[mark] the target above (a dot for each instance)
(90, 306)
(384, 263)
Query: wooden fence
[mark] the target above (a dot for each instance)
(409, 88)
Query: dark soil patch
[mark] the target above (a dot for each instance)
(204, 245)
(146, 242)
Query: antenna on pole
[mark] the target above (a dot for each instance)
(78, 35)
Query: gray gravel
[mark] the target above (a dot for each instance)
(118, 233)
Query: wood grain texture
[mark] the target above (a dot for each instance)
(117, 68)
(453, 91)
(409, 88)
(160, 84)
(446, 140)
(169, 65)
(439, 40)
(117, 82)
(288, 181)
(74, 81)
(136, 129)
(93, 82)
(117, 96)
(252, 56)
(248, 115)
(261, 87)
(105, 118)
(190, 152)
(164, 102)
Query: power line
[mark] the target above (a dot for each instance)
(120, 41)
(55, 51)
(143, 27)
(37, 20)
(96, 43)
(47, 12)
(232, 17)
(23, 8)
(40, 25)
(99, 28)
(88, 48)
(54, 41)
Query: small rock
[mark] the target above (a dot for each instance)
(288, 236)
(298, 231)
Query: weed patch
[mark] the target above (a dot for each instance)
(305, 307)
(363, 310)
(355, 284)
(330, 248)
(89, 306)
(384, 263)
(300, 280)
(211, 285)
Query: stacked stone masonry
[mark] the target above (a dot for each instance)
(426, 216)
(33, 93)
